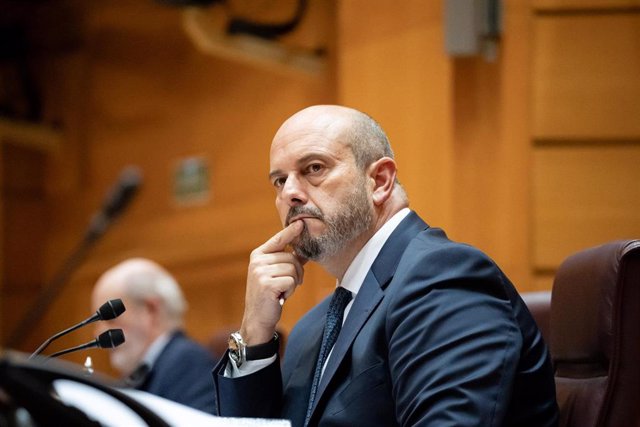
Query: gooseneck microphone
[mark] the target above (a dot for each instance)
(115, 203)
(108, 339)
(107, 311)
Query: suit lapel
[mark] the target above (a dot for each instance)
(370, 294)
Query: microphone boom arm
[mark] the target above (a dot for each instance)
(107, 311)
(110, 338)
(72, 349)
(118, 199)
(58, 335)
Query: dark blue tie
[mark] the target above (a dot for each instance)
(332, 326)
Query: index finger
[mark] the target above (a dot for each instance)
(281, 239)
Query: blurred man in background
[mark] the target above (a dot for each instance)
(157, 356)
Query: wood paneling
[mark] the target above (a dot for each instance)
(586, 135)
(2, 247)
(23, 229)
(460, 128)
(585, 77)
(584, 4)
(145, 96)
(583, 196)
(464, 131)
(492, 149)
(392, 65)
(543, 281)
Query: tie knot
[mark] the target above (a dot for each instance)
(340, 299)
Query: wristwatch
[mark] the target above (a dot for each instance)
(240, 352)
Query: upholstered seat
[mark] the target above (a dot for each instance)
(594, 330)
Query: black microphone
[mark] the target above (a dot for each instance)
(115, 202)
(108, 339)
(107, 311)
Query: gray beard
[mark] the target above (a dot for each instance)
(353, 218)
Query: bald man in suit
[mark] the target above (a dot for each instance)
(421, 330)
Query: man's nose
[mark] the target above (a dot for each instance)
(293, 191)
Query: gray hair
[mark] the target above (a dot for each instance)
(368, 140)
(152, 281)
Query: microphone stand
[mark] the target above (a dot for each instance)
(117, 200)
(111, 338)
(49, 292)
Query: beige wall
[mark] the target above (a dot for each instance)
(459, 126)
(585, 133)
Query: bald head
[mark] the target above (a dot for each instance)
(355, 129)
(138, 280)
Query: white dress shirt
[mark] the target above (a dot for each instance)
(154, 350)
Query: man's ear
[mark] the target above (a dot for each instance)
(153, 307)
(383, 173)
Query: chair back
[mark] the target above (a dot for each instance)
(595, 336)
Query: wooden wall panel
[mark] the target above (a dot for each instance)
(492, 148)
(23, 228)
(459, 128)
(149, 98)
(583, 196)
(392, 65)
(583, 4)
(2, 248)
(464, 131)
(585, 82)
(543, 281)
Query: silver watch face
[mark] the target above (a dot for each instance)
(236, 347)
(235, 355)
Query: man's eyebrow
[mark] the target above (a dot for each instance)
(274, 173)
(310, 156)
(301, 161)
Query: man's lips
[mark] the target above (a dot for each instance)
(300, 217)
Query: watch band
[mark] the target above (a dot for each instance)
(262, 351)
(240, 352)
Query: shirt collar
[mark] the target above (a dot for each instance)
(155, 349)
(361, 264)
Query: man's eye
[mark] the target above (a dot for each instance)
(314, 167)
(278, 182)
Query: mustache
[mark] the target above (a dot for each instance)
(302, 210)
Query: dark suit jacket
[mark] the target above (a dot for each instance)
(182, 373)
(437, 336)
